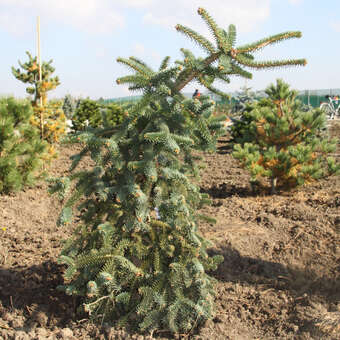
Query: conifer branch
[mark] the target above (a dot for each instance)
(209, 60)
(269, 64)
(258, 45)
(141, 63)
(88, 305)
(164, 63)
(211, 25)
(238, 71)
(135, 66)
(212, 88)
(131, 79)
(231, 35)
(200, 40)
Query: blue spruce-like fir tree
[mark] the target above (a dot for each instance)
(137, 256)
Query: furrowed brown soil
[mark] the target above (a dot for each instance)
(280, 278)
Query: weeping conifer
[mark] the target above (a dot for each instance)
(137, 256)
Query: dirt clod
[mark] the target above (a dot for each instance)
(66, 334)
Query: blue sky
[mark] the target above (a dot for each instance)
(84, 38)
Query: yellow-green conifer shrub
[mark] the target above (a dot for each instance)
(48, 116)
(54, 124)
(281, 141)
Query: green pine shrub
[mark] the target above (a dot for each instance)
(239, 129)
(112, 114)
(243, 103)
(281, 141)
(87, 113)
(21, 149)
(137, 257)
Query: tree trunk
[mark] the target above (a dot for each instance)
(273, 182)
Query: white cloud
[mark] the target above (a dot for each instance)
(138, 49)
(105, 16)
(92, 16)
(13, 23)
(336, 26)
(246, 14)
(295, 2)
(137, 3)
(101, 52)
(157, 58)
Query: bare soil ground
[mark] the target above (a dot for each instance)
(280, 278)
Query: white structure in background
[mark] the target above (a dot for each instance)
(69, 125)
(228, 123)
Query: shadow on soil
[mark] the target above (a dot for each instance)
(225, 146)
(254, 271)
(225, 149)
(225, 190)
(32, 291)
